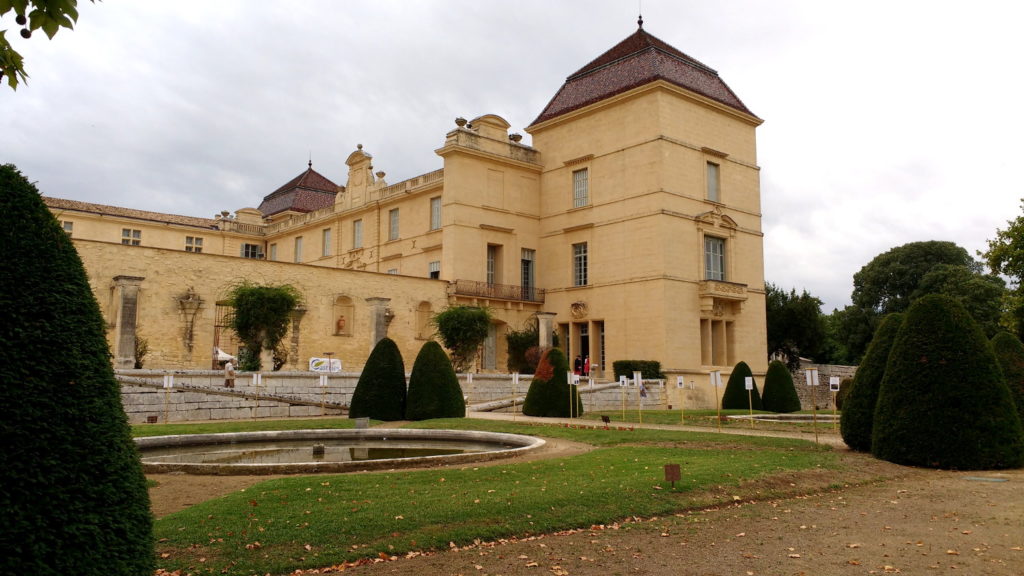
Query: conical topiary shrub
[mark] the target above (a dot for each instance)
(735, 396)
(73, 495)
(857, 419)
(943, 402)
(779, 392)
(434, 390)
(380, 392)
(1010, 353)
(549, 394)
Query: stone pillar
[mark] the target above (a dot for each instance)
(293, 351)
(380, 318)
(127, 288)
(545, 324)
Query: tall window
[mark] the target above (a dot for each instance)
(579, 264)
(251, 251)
(435, 213)
(526, 276)
(193, 244)
(493, 264)
(713, 182)
(580, 189)
(393, 224)
(434, 269)
(714, 258)
(273, 252)
(130, 237)
(326, 242)
(298, 249)
(357, 234)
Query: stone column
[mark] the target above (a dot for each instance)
(293, 352)
(127, 288)
(380, 318)
(545, 323)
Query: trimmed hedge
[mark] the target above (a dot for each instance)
(73, 495)
(736, 395)
(943, 402)
(779, 392)
(380, 392)
(549, 393)
(649, 369)
(1010, 352)
(857, 419)
(434, 390)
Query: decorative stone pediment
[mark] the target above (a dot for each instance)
(716, 218)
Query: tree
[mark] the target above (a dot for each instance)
(857, 420)
(1005, 254)
(736, 395)
(795, 325)
(434, 390)
(463, 329)
(943, 402)
(519, 342)
(261, 316)
(550, 394)
(1010, 352)
(981, 294)
(48, 15)
(73, 494)
(380, 391)
(849, 332)
(779, 392)
(886, 283)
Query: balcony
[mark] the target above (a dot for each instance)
(718, 297)
(497, 291)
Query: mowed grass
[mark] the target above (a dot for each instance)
(282, 525)
(140, 430)
(709, 419)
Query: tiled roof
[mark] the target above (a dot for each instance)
(76, 206)
(306, 192)
(639, 59)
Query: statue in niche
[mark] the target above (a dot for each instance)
(339, 326)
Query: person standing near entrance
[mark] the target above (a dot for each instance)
(229, 374)
(577, 365)
(586, 365)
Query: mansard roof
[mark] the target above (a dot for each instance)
(306, 192)
(639, 59)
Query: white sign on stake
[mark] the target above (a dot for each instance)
(575, 380)
(515, 378)
(833, 383)
(323, 380)
(168, 380)
(679, 382)
(622, 381)
(716, 378)
(469, 378)
(748, 383)
(812, 377)
(637, 377)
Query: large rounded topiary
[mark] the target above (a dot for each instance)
(434, 390)
(779, 392)
(380, 392)
(1010, 353)
(549, 394)
(943, 402)
(857, 419)
(73, 495)
(736, 396)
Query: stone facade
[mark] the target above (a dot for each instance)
(631, 225)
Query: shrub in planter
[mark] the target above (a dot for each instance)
(857, 419)
(779, 392)
(549, 394)
(735, 395)
(380, 392)
(434, 390)
(72, 491)
(1010, 353)
(943, 402)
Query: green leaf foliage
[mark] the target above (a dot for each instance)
(1010, 352)
(71, 486)
(779, 392)
(795, 324)
(857, 419)
(550, 396)
(887, 283)
(261, 316)
(434, 390)
(48, 15)
(943, 402)
(648, 369)
(462, 330)
(380, 393)
(736, 395)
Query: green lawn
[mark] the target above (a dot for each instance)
(302, 522)
(709, 419)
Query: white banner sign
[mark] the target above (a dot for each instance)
(168, 380)
(325, 364)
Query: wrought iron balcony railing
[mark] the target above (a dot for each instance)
(498, 291)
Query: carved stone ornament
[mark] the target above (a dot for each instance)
(578, 309)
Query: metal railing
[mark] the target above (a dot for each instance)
(498, 291)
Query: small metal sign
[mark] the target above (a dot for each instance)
(168, 381)
(637, 377)
(748, 383)
(833, 383)
(679, 382)
(622, 381)
(812, 377)
(515, 378)
(672, 474)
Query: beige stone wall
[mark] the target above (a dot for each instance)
(168, 275)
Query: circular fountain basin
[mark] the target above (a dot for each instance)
(318, 451)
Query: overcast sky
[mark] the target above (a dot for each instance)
(885, 122)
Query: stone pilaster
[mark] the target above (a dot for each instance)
(545, 324)
(125, 324)
(380, 318)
